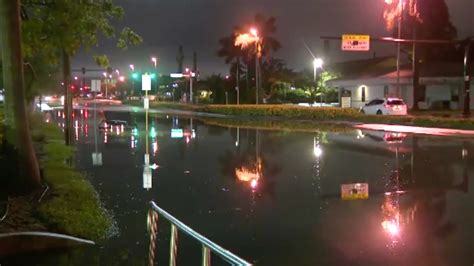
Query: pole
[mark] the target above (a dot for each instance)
(467, 98)
(191, 88)
(147, 156)
(95, 123)
(106, 89)
(237, 80)
(398, 47)
(133, 87)
(256, 75)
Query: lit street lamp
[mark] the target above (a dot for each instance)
(317, 63)
(246, 39)
(155, 62)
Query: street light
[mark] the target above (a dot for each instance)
(243, 41)
(317, 63)
(155, 62)
(399, 10)
(254, 32)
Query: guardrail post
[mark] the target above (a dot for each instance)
(153, 230)
(173, 245)
(206, 256)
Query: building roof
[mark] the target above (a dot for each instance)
(385, 67)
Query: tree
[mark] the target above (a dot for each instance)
(56, 30)
(218, 86)
(245, 58)
(13, 75)
(424, 19)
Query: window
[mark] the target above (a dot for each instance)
(379, 101)
(362, 93)
(371, 103)
(395, 102)
(385, 91)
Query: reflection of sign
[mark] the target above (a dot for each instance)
(147, 181)
(355, 191)
(146, 158)
(146, 82)
(176, 133)
(97, 159)
(95, 85)
(346, 102)
(146, 103)
(355, 42)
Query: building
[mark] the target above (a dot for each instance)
(441, 84)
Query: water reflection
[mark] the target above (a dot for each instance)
(244, 188)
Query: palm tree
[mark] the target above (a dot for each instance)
(13, 74)
(244, 58)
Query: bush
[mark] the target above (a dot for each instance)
(286, 111)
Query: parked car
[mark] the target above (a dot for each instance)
(386, 106)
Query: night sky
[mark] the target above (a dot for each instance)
(198, 24)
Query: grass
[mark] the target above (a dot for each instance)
(326, 114)
(71, 206)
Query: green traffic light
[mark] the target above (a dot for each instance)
(153, 76)
(134, 75)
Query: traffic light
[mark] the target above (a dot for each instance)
(152, 75)
(134, 75)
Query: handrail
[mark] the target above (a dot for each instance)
(206, 243)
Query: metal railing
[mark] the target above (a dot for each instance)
(207, 245)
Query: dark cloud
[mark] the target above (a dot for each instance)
(198, 24)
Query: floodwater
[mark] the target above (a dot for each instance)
(274, 197)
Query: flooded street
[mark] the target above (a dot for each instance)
(274, 197)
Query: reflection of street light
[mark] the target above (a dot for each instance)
(317, 150)
(317, 63)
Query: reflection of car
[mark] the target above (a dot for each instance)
(387, 106)
(387, 137)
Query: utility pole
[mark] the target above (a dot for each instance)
(195, 67)
(467, 79)
(237, 79)
(398, 46)
(179, 59)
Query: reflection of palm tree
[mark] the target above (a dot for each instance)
(245, 159)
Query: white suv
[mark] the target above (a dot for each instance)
(387, 106)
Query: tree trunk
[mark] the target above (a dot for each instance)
(67, 98)
(13, 75)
